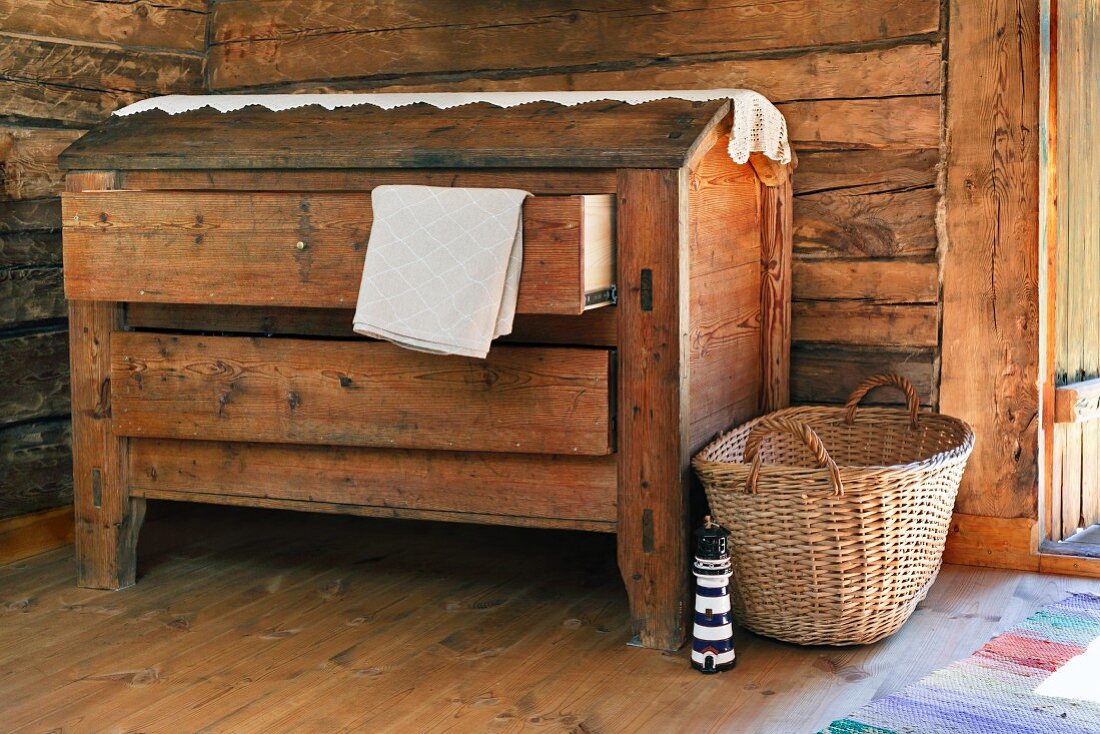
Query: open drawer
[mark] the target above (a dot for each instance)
(299, 249)
(535, 400)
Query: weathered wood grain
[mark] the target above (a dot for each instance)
(35, 215)
(162, 24)
(30, 248)
(520, 485)
(29, 237)
(107, 518)
(35, 466)
(250, 248)
(285, 41)
(829, 374)
(28, 161)
(36, 102)
(854, 322)
(541, 182)
(80, 84)
(100, 68)
(724, 293)
(519, 400)
(866, 171)
(653, 430)
(858, 223)
(662, 133)
(872, 281)
(31, 295)
(990, 268)
(776, 286)
(893, 122)
(35, 369)
(844, 72)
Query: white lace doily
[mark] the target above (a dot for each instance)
(757, 125)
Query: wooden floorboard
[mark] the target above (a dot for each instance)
(264, 621)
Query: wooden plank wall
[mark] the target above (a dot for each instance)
(1076, 451)
(860, 83)
(64, 66)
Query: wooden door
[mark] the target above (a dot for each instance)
(1073, 238)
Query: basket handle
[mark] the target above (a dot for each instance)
(795, 428)
(912, 400)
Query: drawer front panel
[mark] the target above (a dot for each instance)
(293, 249)
(578, 488)
(545, 400)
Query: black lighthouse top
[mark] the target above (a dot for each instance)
(711, 542)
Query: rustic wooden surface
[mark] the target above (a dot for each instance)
(287, 41)
(862, 97)
(776, 257)
(64, 66)
(536, 135)
(252, 621)
(1073, 246)
(540, 182)
(563, 488)
(107, 519)
(283, 249)
(35, 466)
(553, 400)
(990, 271)
(653, 430)
(39, 382)
(724, 292)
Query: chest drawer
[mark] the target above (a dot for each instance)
(299, 249)
(535, 400)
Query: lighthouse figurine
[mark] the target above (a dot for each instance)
(712, 638)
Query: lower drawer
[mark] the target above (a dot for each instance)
(534, 400)
(516, 489)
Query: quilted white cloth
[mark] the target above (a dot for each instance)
(757, 125)
(442, 268)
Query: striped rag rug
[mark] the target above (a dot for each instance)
(994, 690)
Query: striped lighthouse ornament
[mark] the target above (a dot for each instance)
(712, 638)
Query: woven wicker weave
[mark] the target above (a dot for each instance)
(837, 516)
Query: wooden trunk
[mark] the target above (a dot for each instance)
(212, 261)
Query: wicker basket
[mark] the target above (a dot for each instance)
(837, 516)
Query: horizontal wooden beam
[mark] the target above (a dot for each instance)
(1077, 402)
(29, 535)
(568, 488)
(365, 511)
(994, 542)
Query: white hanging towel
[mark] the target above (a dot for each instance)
(442, 268)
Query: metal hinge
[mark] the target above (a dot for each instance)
(604, 296)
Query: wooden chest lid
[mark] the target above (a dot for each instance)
(603, 134)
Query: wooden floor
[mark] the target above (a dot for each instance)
(259, 621)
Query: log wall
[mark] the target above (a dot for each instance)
(64, 66)
(860, 83)
(863, 83)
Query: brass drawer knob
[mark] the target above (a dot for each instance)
(300, 245)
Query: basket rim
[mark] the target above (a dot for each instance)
(953, 455)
